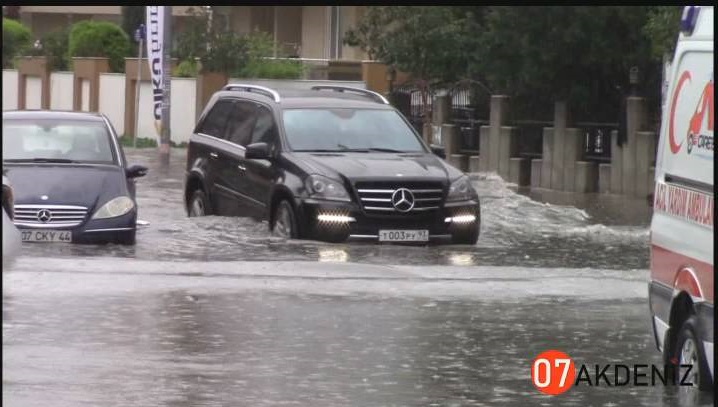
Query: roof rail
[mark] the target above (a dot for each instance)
(376, 96)
(254, 88)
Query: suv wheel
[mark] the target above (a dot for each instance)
(199, 204)
(284, 223)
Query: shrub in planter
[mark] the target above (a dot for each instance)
(272, 69)
(186, 69)
(100, 39)
(16, 40)
(54, 48)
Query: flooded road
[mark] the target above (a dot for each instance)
(217, 312)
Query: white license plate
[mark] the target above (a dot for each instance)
(46, 236)
(403, 235)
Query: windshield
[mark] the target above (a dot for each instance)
(349, 130)
(56, 141)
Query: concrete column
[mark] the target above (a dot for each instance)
(374, 76)
(572, 154)
(450, 139)
(507, 149)
(586, 178)
(33, 67)
(88, 69)
(604, 178)
(617, 152)
(635, 121)
(560, 140)
(460, 161)
(498, 117)
(484, 145)
(547, 157)
(441, 110)
(131, 89)
(645, 146)
(474, 163)
(536, 165)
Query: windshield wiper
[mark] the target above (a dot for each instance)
(40, 160)
(318, 150)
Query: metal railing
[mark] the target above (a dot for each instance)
(596, 139)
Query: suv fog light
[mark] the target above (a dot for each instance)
(461, 219)
(334, 218)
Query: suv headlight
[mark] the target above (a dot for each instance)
(461, 190)
(321, 187)
(115, 207)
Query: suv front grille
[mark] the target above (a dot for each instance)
(376, 196)
(49, 215)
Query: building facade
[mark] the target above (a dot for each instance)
(311, 32)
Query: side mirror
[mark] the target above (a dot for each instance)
(438, 150)
(136, 171)
(258, 151)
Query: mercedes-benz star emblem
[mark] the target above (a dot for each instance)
(403, 200)
(44, 216)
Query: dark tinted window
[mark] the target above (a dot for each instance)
(239, 127)
(216, 120)
(264, 129)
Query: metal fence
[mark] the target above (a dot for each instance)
(597, 141)
(530, 137)
(469, 111)
(407, 99)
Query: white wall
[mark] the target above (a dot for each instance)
(293, 84)
(182, 113)
(112, 100)
(182, 110)
(85, 103)
(61, 90)
(9, 89)
(33, 93)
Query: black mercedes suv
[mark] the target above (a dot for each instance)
(331, 163)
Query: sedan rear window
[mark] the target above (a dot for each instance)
(56, 140)
(349, 129)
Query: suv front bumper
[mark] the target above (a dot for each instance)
(366, 226)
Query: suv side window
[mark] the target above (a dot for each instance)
(239, 128)
(216, 120)
(264, 129)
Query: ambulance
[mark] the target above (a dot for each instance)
(681, 282)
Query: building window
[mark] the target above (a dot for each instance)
(335, 34)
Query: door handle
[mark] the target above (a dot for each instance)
(241, 167)
(214, 155)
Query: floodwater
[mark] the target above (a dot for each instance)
(217, 312)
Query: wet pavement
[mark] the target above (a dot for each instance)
(217, 312)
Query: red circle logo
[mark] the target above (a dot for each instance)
(553, 372)
(676, 147)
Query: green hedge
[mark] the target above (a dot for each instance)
(16, 40)
(100, 39)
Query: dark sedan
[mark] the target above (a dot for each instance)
(70, 177)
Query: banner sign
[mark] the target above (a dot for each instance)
(155, 39)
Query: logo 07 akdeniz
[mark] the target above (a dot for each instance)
(403, 200)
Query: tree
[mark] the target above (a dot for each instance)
(580, 54)
(132, 17)
(16, 40)
(369, 32)
(90, 38)
(662, 29)
(424, 41)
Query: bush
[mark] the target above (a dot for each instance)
(272, 69)
(100, 39)
(186, 69)
(16, 40)
(228, 53)
(54, 47)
